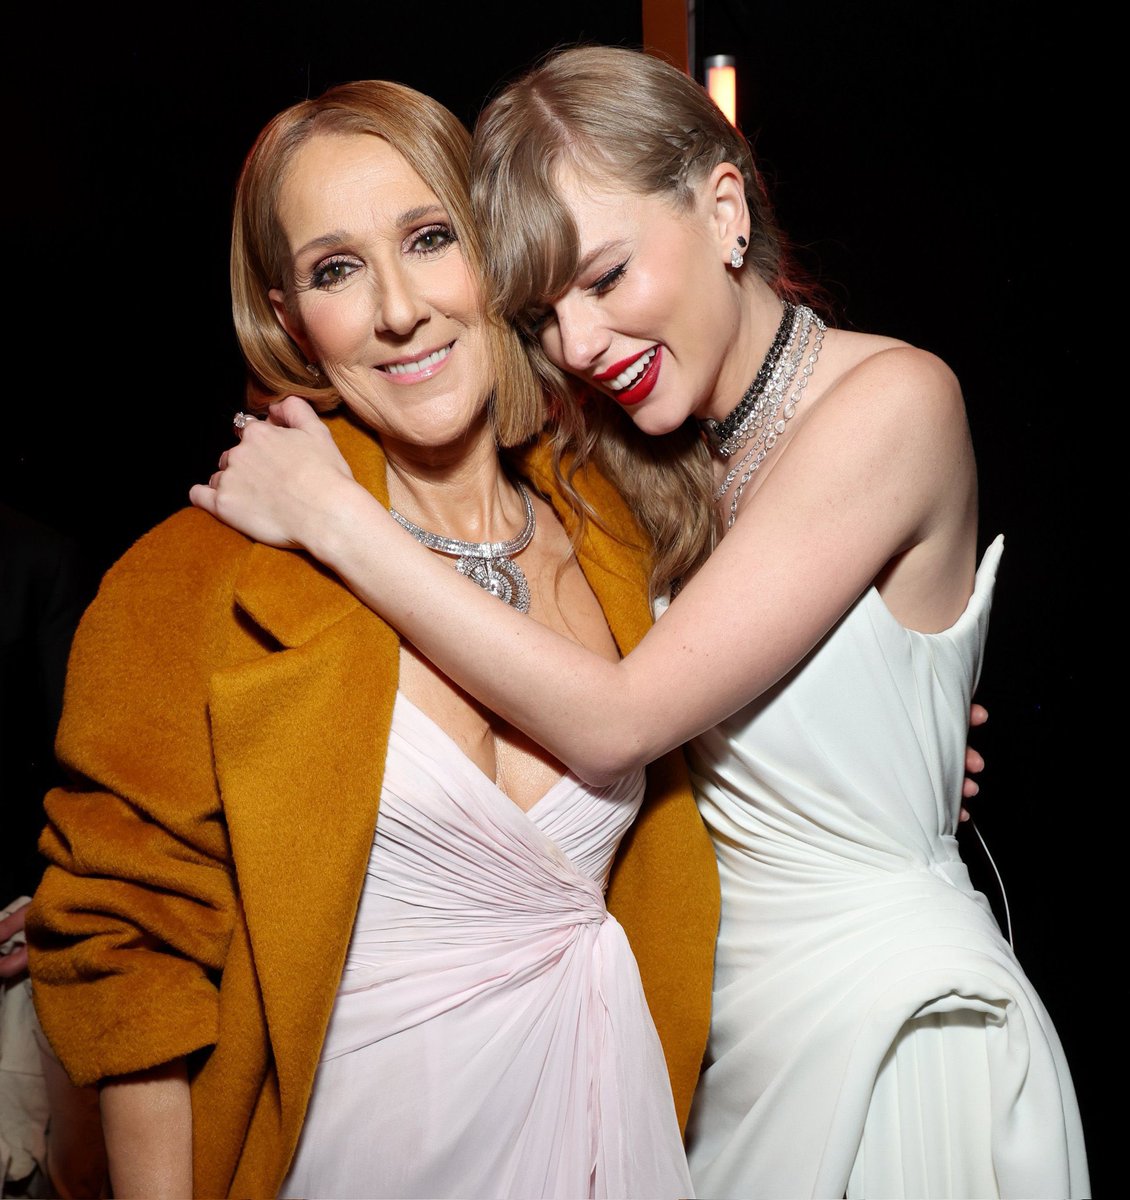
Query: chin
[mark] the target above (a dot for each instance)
(657, 424)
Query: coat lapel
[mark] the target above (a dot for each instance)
(611, 554)
(300, 737)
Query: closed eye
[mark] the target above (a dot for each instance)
(609, 279)
(534, 322)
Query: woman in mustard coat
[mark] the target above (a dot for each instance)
(234, 715)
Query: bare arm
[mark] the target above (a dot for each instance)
(147, 1123)
(860, 485)
(129, 928)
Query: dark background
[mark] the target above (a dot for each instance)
(920, 155)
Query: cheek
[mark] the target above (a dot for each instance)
(336, 327)
(450, 289)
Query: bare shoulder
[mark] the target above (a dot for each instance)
(886, 381)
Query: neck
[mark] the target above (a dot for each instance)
(758, 319)
(462, 492)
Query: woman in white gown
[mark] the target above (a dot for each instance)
(872, 1034)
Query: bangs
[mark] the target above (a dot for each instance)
(534, 249)
(529, 230)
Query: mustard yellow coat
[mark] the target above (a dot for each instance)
(227, 713)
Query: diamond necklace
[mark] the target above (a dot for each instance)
(727, 435)
(487, 563)
(766, 418)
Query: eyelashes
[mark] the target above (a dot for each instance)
(428, 242)
(332, 272)
(433, 239)
(533, 323)
(609, 279)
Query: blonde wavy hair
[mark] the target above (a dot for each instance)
(438, 147)
(610, 113)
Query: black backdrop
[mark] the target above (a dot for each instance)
(917, 153)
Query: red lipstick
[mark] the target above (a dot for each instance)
(641, 388)
(614, 370)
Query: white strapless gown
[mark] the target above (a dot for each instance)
(873, 1034)
(490, 1037)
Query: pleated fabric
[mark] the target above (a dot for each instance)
(873, 1034)
(491, 1037)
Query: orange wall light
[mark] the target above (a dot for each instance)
(722, 84)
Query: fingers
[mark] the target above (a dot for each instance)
(203, 495)
(293, 411)
(13, 964)
(15, 961)
(13, 922)
(974, 763)
(969, 787)
(242, 420)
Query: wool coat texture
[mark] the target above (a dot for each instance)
(225, 724)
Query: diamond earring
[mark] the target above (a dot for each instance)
(736, 255)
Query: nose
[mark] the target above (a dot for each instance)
(582, 336)
(399, 305)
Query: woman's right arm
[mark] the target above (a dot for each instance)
(129, 928)
(147, 1126)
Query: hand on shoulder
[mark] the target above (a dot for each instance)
(277, 484)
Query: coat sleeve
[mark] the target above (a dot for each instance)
(129, 928)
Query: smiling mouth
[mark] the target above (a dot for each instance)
(630, 374)
(417, 365)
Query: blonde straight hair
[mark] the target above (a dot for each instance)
(437, 146)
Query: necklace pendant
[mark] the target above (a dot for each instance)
(501, 577)
(488, 564)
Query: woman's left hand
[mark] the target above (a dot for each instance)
(974, 763)
(277, 484)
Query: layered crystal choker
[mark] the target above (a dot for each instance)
(724, 435)
(761, 414)
(487, 563)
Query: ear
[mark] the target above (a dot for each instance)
(288, 321)
(724, 195)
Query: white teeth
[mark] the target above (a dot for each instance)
(632, 373)
(421, 364)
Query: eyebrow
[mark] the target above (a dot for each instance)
(335, 237)
(585, 263)
(421, 210)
